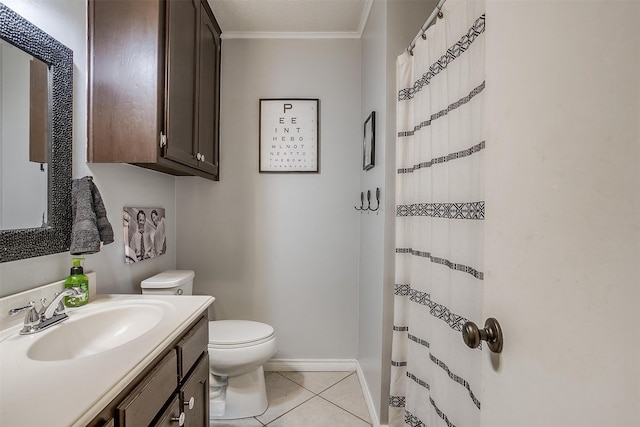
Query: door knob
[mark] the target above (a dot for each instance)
(492, 334)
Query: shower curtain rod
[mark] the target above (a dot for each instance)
(428, 22)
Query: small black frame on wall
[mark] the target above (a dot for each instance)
(369, 142)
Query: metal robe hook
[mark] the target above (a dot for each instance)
(377, 200)
(368, 200)
(361, 208)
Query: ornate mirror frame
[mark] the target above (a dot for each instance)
(55, 236)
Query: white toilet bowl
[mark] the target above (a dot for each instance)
(237, 351)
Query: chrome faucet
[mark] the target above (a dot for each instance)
(36, 321)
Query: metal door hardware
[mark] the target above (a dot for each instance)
(492, 334)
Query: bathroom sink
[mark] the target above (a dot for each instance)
(89, 331)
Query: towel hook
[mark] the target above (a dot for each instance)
(377, 200)
(361, 208)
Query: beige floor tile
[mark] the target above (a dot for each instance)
(316, 382)
(347, 394)
(317, 412)
(283, 395)
(243, 422)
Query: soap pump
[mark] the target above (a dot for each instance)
(77, 279)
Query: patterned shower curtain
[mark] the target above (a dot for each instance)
(435, 378)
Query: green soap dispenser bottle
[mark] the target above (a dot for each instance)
(77, 279)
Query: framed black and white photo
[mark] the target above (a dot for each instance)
(289, 135)
(369, 142)
(144, 234)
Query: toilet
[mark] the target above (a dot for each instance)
(238, 349)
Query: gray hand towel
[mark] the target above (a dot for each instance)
(90, 223)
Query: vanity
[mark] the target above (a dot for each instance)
(121, 360)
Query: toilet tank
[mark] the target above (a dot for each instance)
(171, 282)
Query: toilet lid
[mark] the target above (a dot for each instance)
(168, 279)
(234, 332)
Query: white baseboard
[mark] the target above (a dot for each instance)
(328, 365)
(373, 416)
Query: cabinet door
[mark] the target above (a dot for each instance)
(126, 66)
(183, 22)
(209, 94)
(197, 388)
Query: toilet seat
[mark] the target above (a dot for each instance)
(238, 333)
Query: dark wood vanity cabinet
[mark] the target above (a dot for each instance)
(192, 401)
(154, 85)
(171, 390)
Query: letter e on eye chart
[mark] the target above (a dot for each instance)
(289, 140)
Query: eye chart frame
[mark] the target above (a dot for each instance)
(289, 135)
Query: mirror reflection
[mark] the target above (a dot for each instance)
(38, 240)
(24, 139)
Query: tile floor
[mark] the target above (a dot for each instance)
(309, 399)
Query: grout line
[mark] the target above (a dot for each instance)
(285, 413)
(345, 410)
(313, 395)
(321, 391)
(317, 394)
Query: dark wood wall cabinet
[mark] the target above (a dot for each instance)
(172, 391)
(154, 85)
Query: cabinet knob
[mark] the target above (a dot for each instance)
(198, 156)
(190, 403)
(180, 419)
(202, 157)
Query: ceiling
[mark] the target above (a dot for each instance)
(291, 18)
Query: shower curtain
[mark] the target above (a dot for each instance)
(435, 377)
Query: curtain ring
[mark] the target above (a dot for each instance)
(424, 36)
(440, 14)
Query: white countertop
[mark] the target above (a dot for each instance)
(72, 392)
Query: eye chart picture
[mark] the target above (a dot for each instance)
(144, 234)
(289, 140)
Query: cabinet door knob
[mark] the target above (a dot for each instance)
(202, 157)
(190, 403)
(492, 334)
(179, 419)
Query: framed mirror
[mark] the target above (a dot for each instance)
(54, 234)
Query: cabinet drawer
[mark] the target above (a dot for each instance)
(191, 346)
(141, 406)
(171, 416)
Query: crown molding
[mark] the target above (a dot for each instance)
(290, 35)
(305, 34)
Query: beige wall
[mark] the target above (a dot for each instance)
(563, 213)
(390, 28)
(282, 248)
